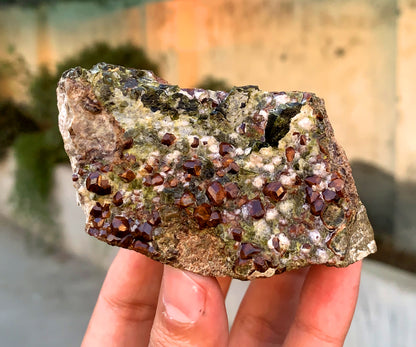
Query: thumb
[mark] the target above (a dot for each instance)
(190, 312)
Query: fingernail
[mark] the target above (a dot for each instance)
(182, 297)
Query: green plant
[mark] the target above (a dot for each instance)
(14, 117)
(126, 54)
(13, 68)
(213, 83)
(34, 3)
(14, 120)
(35, 160)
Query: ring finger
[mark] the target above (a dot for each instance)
(267, 310)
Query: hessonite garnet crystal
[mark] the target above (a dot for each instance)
(244, 184)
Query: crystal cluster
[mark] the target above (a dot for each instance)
(244, 184)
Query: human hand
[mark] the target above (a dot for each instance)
(144, 303)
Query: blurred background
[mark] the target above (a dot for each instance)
(358, 55)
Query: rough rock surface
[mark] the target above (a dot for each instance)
(243, 184)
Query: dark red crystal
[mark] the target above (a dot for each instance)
(317, 206)
(260, 264)
(127, 176)
(195, 142)
(216, 193)
(302, 140)
(236, 233)
(248, 250)
(329, 195)
(225, 148)
(276, 243)
(242, 200)
(202, 214)
(128, 143)
(323, 148)
(193, 167)
(220, 173)
(311, 195)
(153, 180)
(106, 168)
(93, 232)
(168, 139)
(97, 184)
(313, 180)
(337, 184)
(155, 218)
(233, 168)
(274, 190)
(96, 210)
(214, 219)
(173, 182)
(290, 154)
(120, 226)
(141, 247)
(144, 231)
(157, 179)
(231, 190)
(98, 222)
(255, 208)
(126, 241)
(165, 168)
(106, 211)
(103, 232)
(118, 199)
(148, 168)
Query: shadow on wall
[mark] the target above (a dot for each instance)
(380, 193)
(377, 191)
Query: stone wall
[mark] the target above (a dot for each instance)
(359, 55)
(405, 144)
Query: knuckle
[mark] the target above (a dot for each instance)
(134, 311)
(260, 329)
(318, 333)
(168, 333)
(163, 337)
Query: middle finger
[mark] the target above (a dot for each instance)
(267, 310)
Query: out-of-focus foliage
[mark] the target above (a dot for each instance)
(14, 117)
(213, 83)
(127, 55)
(35, 159)
(14, 66)
(14, 120)
(42, 2)
(28, 2)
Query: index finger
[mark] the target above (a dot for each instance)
(326, 307)
(123, 315)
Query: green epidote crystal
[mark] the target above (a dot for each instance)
(244, 184)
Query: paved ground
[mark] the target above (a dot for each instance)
(46, 300)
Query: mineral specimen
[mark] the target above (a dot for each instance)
(244, 184)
